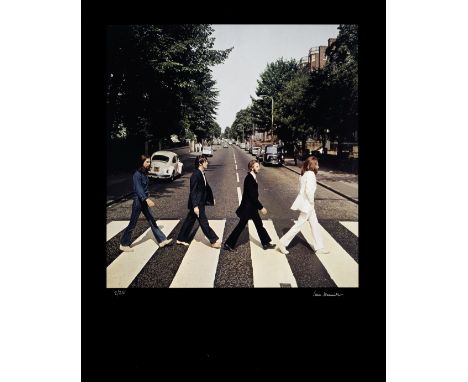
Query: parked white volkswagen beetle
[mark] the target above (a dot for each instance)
(165, 165)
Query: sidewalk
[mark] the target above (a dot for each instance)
(342, 183)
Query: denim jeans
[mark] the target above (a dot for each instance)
(137, 207)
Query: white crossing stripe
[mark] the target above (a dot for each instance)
(114, 227)
(198, 267)
(270, 267)
(239, 195)
(123, 270)
(237, 176)
(341, 267)
(352, 226)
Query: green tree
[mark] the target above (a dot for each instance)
(242, 126)
(294, 108)
(271, 83)
(227, 132)
(338, 98)
(159, 80)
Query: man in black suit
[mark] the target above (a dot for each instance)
(200, 196)
(248, 209)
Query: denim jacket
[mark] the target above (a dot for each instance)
(140, 185)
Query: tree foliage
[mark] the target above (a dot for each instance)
(272, 82)
(159, 80)
(339, 93)
(321, 104)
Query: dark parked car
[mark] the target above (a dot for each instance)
(274, 154)
(256, 150)
(259, 155)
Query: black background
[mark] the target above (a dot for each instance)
(240, 333)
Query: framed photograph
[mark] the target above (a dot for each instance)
(240, 159)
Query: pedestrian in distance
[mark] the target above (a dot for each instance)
(304, 202)
(142, 203)
(200, 196)
(295, 154)
(248, 209)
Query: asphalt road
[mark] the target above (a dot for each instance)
(278, 188)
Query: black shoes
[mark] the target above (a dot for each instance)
(227, 247)
(269, 246)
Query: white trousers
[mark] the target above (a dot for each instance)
(310, 217)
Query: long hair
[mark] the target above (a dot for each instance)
(200, 159)
(141, 160)
(251, 164)
(310, 164)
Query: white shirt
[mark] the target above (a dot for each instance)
(203, 172)
(253, 174)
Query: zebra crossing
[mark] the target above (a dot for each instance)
(269, 270)
(123, 270)
(200, 262)
(198, 268)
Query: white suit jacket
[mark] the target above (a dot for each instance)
(304, 202)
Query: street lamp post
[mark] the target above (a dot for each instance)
(272, 107)
(253, 135)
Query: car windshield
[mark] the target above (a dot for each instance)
(161, 158)
(271, 150)
(207, 148)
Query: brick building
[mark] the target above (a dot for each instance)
(317, 57)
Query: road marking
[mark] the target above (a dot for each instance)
(239, 195)
(341, 267)
(114, 227)
(352, 226)
(123, 270)
(237, 176)
(198, 268)
(350, 184)
(236, 167)
(270, 267)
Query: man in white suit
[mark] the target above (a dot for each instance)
(304, 202)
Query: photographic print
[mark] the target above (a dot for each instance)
(240, 227)
(232, 156)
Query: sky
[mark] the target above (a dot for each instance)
(254, 47)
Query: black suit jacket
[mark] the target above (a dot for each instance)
(250, 203)
(199, 193)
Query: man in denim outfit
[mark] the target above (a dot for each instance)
(141, 203)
